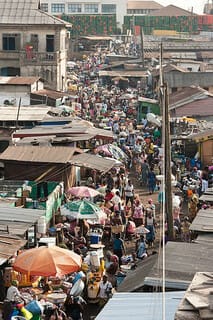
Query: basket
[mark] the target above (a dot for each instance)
(117, 229)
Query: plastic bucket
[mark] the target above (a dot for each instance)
(34, 307)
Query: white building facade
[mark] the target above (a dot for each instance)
(79, 7)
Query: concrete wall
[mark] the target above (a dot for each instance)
(181, 79)
(52, 70)
(14, 92)
(121, 7)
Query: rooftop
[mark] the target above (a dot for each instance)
(152, 5)
(18, 80)
(172, 11)
(26, 12)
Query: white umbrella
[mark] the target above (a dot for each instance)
(142, 230)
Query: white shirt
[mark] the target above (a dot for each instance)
(129, 190)
(12, 293)
(103, 288)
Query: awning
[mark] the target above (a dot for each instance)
(93, 162)
(9, 244)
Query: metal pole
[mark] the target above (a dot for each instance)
(142, 46)
(167, 151)
(167, 168)
(19, 107)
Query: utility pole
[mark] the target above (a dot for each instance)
(142, 46)
(17, 116)
(167, 183)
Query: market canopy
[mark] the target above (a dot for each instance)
(83, 209)
(83, 192)
(47, 261)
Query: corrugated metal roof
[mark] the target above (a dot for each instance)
(51, 130)
(206, 134)
(203, 221)
(24, 114)
(123, 73)
(143, 5)
(19, 80)
(16, 228)
(42, 154)
(9, 245)
(172, 11)
(93, 162)
(74, 129)
(96, 38)
(186, 95)
(204, 238)
(198, 108)
(25, 12)
(140, 305)
(183, 260)
(17, 214)
(51, 93)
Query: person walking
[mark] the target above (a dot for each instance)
(129, 193)
(151, 181)
(118, 247)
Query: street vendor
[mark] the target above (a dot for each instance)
(13, 297)
(13, 293)
(105, 290)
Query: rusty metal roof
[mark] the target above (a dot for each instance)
(9, 244)
(172, 11)
(50, 93)
(186, 95)
(18, 80)
(198, 108)
(42, 154)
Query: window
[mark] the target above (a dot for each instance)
(58, 8)
(50, 43)
(91, 8)
(108, 8)
(74, 7)
(11, 42)
(44, 7)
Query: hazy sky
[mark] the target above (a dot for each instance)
(186, 4)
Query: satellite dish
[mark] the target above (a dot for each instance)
(151, 117)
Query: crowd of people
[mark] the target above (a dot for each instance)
(129, 219)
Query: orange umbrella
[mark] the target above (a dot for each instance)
(44, 261)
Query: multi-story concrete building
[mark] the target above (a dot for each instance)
(83, 7)
(32, 43)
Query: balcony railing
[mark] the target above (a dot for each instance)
(30, 58)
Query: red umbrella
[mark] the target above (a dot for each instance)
(44, 261)
(83, 191)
